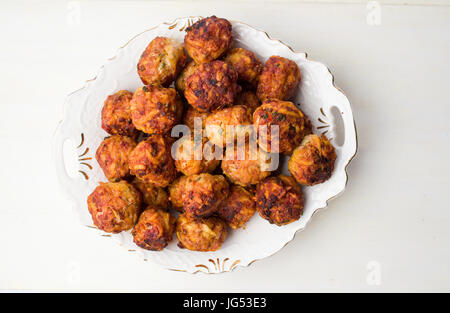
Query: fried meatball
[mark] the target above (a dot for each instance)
(238, 208)
(151, 194)
(208, 38)
(155, 109)
(279, 200)
(238, 117)
(254, 167)
(112, 156)
(154, 229)
(293, 126)
(212, 87)
(114, 206)
(191, 114)
(204, 234)
(176, 190)
(313, 161)
(279, 79)
(161, 61)
(203, 194)
(180, 83)
(189, 157)
(246, 64)
(116, 114)
(151, 161)
(248, 99)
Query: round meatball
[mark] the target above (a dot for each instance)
(151, 161)
(189, 157)
(116, 114)
(161, 61)
(212, 87)
(237, 119)
(246, 64)
(180, 83)
(238, 208)
(246, 167)
(155, 109)
(114, 206)
(313, 161)
(204, 234)
(208, 38)
(203, 194)
(191, 114)
(176, 190)
(279, 200)
(248, 99)
(154, 229)
(279, 79)
(112, 156)
(293, 126)
(151, 194)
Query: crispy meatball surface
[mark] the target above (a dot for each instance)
(155, 109)
(112, 156)
(208, 38)
(246, 64)
(203, 194)
(176, 190)
(204, 234)
(151, 194)
(279, 200)
(191, 114)
(279, 79)
(116, 114)
(151, 161)
(114, 206)
(313, 161)
(212, 87)
(154, 229)
(180, 83)
(293, 125)
(216, 125)
(248, 99)
(238, 208)
(161, 61)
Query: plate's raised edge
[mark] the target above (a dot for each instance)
(293, 51)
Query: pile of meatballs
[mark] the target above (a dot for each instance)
(222, 86)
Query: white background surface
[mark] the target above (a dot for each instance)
(393, 221)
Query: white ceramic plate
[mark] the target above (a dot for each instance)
(327, 107)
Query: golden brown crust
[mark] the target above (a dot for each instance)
(204, 234)
(293, 125)
(151, 194)
(279, 79)
(154, 229)
(176, 190)
(248, 99)
(208, 38)
(116, 114)
(151, 161)
(246, 64)
(212, 87)
(313, 161)
(191, 114)
(180, 83)
(155, 109)
(203, 194)
(114, 207)
(112, 156)
(238, 208)
(161, 61)
(279, 200)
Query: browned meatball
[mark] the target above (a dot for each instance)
(114, 206)
(238, 208)
(212, 87)
(248, 99)
(151, 194)
(238, 117)
(203, 194)
(191, 114)
(112, 156)
(180, 83)
(208, 38)
(176, 190)
(151, 161)
(116, 114)
(246, 64)
(293, 126)
(279, 200)
(155, 110)
(313, 161)
(161, 61)
(279, 79)
(154, 229)
(204, 234)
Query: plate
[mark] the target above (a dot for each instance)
(79, 134)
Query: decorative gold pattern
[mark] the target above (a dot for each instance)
(82, 158)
